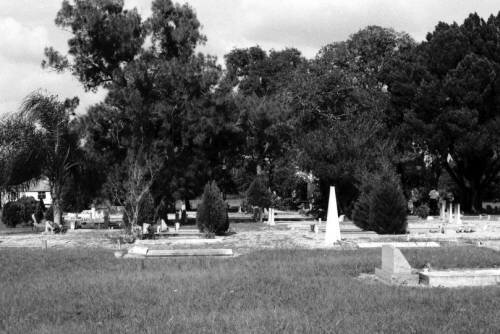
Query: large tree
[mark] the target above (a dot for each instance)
(338, 105)
(142, 131)
(445, 102)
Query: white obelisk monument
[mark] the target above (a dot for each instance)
(332, 221)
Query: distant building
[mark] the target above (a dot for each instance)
(38, 189)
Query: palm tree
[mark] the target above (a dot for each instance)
(58, 143)
(18, 151)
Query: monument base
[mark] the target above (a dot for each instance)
(397, 278)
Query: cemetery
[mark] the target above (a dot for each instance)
(266, 188)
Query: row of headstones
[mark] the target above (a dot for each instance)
(332, 234)
(449, 216)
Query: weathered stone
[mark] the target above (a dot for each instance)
(189, 252)
(137, 250)
(461, 277)
(395, 267)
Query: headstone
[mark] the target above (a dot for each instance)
(458, 220)
(450, 213)
(44, 244)
(443, 210)
(145, 227)
(270, 217)
(332, 222)
(395, 267)
(164, 226)
(138, 250)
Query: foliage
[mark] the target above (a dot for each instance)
(422, 211)
(444, 102)
(19, 211)
(40, 211)
(146, 214)
(361, 212)
(383, 176)
(29, 206)
(12, 213)
(388, 210)
(212, 216)
(338, 105)
(258, 193)
(255, 72)
(49, 213)
(148, 131)
(58, 142)
(19, 151)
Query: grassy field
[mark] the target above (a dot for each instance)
(280, 291)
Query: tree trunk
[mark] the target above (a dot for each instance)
(472, 199)
(56, 205)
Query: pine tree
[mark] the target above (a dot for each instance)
(211, 216)
(388, 210)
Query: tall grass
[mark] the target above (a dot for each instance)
(279, 291)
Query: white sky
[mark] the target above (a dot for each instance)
(27, 26)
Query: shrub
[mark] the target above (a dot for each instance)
(12, 214)
(422, 211)
(39, 212)
(49, 214)
(361, 212)
(29, 206)
(211, 216)
(388, 209)
(258, 194)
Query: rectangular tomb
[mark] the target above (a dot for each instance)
(461, 277)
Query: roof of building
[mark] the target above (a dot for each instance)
(39, 185)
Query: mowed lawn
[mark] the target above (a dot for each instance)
(278, 291)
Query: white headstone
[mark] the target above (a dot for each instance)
(450, 213)
(443, 210)
(270, 217)
(332, 221)
(164, 226)
(457, 218)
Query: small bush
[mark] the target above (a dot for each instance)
(40, 210)
(12, 214)
(49, 214)
(29, 206)
(211, 216)
(422, 211)
(259, 195)
(388, 210)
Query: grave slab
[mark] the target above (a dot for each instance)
(189, 252)
(411, 244)
(461, 277)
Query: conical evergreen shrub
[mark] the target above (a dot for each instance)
(211, 216)
(258, 194)
(361, 212)
(388, 209)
